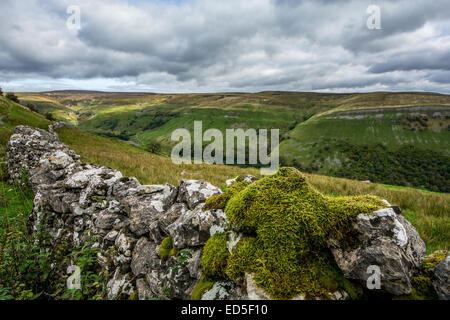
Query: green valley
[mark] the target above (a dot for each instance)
(392, 138)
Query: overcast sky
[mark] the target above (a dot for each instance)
(225, 45)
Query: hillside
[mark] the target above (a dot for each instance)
(392, 138)
(396, 145)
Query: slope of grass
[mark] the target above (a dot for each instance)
(16, 203)
(12, 115)
(147, 167)
(407, 146)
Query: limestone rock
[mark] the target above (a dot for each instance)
(385, 240)
(145, 257)
(119, 285)
(144, 292)
(193, 228)
(144, 207)
(246, 177)
(225, 291)
(194, 192)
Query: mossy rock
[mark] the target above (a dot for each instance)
(215, 256)
(202, 286)
(286, 224)
(422, 287)
(219, 201)
(166, 248)
(173, 251)
(134, 295)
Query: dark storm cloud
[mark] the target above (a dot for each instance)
(232, 45)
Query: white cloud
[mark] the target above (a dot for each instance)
(205, 45)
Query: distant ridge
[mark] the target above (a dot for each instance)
(270, 92)
(95, 92)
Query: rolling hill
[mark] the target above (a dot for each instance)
(428, 211)
(392, 138)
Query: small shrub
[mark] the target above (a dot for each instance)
(11, 96)
(49, 116)
(183, 257)
(153, 146)
(32, 107)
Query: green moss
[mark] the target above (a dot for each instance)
(165, 248)
(219, 201)
(98, 198)
(167, 243)
(287, 224)
(173, 251)
(332, 278)
(134, 295)
(244, 254)
(215, 256)
(202, 286)
(433, 260)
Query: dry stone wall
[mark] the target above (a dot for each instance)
(80, 201)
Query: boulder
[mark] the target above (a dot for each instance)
(385, 240)
(440, 278)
